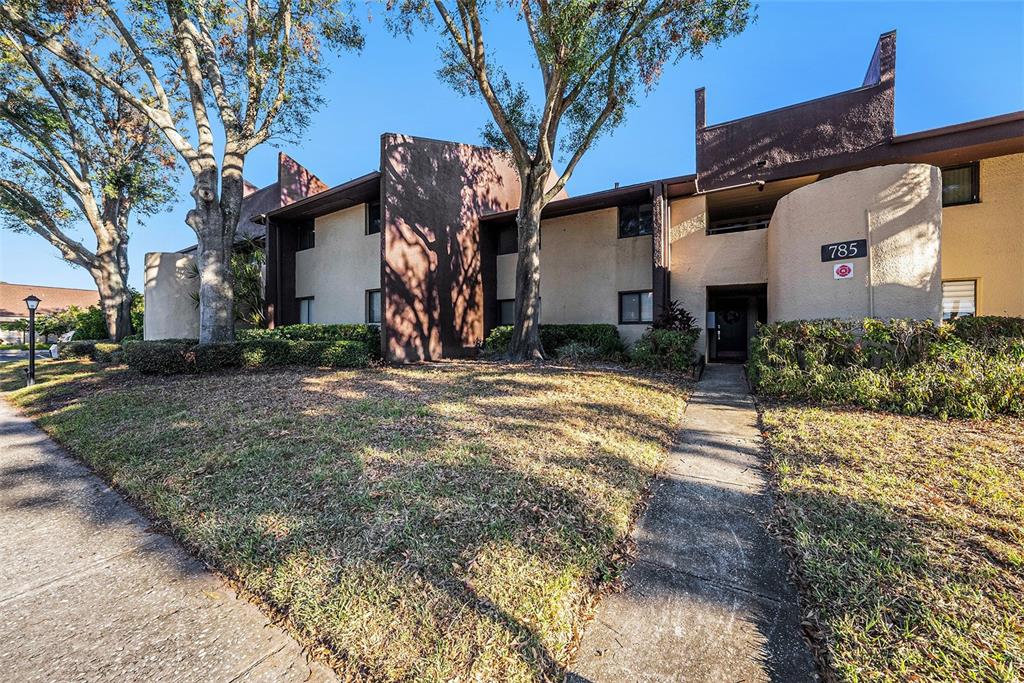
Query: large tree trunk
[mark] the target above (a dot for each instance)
(115, 298)
(109, 269)
(214, 220)
(525, 344)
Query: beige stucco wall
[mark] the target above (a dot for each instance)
(897, 208)
(583, 267)
(171, 311)
(698, 260)
(337, 272)
(985, 241)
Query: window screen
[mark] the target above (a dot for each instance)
(508, 312)
(636, 307)
(373, 306)
(960, 185)
(373, 218)
(306, 310)
(307, 237)
(958, 298)
(508, 240)
(636, 220)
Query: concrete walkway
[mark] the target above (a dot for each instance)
(89, 593)
(708, 599)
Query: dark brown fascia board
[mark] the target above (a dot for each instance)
(602, 199)
(1015, 116)
(339, 197)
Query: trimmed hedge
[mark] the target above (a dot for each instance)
(603, 338)
(367, 335)
(164, 357)
(100, 351)
(170, 357)
(970, 367)
(665, 349)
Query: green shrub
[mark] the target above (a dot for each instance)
(164, 357)
(368, 335)
(209, 357)
(181, 356)
(575, 352)
(90, 324)
(987, 330)
(77, 349)
(603, 338)
(971, 370)
(265, 353)
(107, 352)
(665, 349)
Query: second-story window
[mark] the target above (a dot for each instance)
(373, 218)
(508, 240)
(307, 237)
(960, 185)
(636, 220)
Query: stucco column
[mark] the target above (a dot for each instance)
(661, 247)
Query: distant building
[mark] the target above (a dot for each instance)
(52, 300)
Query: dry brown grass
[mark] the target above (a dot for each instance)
(908, 534)
(447, 522)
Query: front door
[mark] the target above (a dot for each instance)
(731, 329)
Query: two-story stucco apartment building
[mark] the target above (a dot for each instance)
(813, 210)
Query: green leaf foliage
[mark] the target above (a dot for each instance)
(969, 367)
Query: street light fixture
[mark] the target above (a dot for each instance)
(32, 302)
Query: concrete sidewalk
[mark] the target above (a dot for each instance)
(708, 599)
(89, 593)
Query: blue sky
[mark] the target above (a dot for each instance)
(956, 61)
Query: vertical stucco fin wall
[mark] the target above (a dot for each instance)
(170, 284)
(801, 138)
(433, 194)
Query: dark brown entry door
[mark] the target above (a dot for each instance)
(731, 329)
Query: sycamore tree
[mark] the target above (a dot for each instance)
(216, 77)
(73, 153)
(593, 59)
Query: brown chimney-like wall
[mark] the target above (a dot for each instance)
(433, 194)
(810, 137)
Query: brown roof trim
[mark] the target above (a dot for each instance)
(960, 127)
(602, 199)
(338, 197)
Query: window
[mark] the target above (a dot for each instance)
(636, 308)
(959, 298)
(960, 185)
(307, 236)
(508, 240)
(306, 310)
(636, 220)
(373, 306)
(373, 218)
(508, 311)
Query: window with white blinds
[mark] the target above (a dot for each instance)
(958, 298)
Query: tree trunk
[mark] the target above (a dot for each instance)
(109, 269)
(216, 239)
(525, 344)
(115, 298)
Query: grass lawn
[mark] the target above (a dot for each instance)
(909, 538)
(447, 522)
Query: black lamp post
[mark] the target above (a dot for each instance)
(32, 302)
